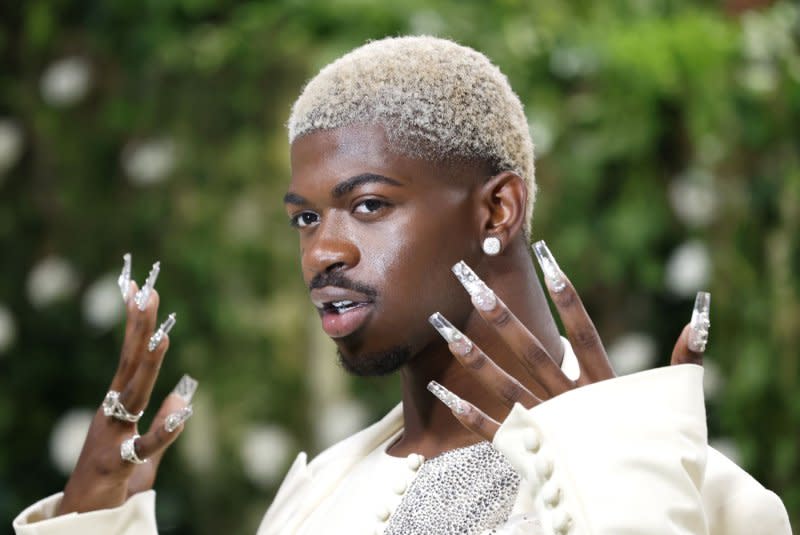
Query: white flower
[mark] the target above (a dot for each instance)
(51, 279)
(339, 420)
(67, 438)
(759, 77)
(569, 62)
(8, 328)
(102, 303)
(692, 198)
(631, 353)
(66, 81)
(265, 450)
(10, 144)
(688, 269)
(149, 162)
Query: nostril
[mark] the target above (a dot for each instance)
(335, 267)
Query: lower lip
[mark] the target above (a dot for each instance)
(339, 325)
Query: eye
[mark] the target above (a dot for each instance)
(369, 206)
(304, 219)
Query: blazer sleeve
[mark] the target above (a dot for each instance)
(621, 456)
(135, 517)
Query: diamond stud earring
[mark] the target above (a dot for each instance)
(491, 246)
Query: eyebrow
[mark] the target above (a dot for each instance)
(343, 188)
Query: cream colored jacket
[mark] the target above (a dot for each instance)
(624, 456)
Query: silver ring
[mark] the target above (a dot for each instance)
(113, 407)
(127, 450)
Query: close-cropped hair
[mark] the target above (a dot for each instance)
(437, 100)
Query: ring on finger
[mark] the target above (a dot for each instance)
(127, 450)
(113, 407)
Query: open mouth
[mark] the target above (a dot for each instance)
(343, 311)
(341, 307)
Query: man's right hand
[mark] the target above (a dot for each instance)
(102, 479)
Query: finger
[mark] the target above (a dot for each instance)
(136, 395)
(581, 331)
(681, 354)
(496, 380)
(154, 443)
(691, 344)
(523, 344)
(138, 325)
(465, 412)
(140, 388)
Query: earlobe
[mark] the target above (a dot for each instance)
(504, 198)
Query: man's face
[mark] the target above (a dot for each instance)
(378, 234)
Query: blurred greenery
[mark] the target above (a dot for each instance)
(157, 127)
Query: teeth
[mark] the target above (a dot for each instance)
(339, 304)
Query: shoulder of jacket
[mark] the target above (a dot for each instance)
(735, 502)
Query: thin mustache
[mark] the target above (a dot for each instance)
(338, 280)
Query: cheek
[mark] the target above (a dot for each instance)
(413, 262)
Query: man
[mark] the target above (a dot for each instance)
(412, 190)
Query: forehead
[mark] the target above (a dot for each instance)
(340, 153)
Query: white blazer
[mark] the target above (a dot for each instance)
(623, 456)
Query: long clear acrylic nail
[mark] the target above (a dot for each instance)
(482, 296)
(143, 295)
(450, 333)
(453, 402)
(162, 331)
(553, 275)
(124, 280)
(186, 388)
(701, 322)
(175, 419)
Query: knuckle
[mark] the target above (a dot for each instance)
(500, 317)
(476, 419)
(103, 470)
(535, 355)
(587, 338)
(511, 392)
(476, 360)
(567, 298)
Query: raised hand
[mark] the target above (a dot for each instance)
(541, 366)
(115, 461)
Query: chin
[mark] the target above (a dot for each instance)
(375, 364)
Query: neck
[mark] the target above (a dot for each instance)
(429, 427)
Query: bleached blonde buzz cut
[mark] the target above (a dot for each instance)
(437, 100)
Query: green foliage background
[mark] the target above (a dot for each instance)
(625, 97)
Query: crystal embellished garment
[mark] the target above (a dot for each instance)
(467, 490)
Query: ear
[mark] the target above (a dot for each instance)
(503, 201)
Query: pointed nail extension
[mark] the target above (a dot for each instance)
(482, 296)
(163, 330)
(124, 280)
(186, 388)
(701, 322)
(552, 273)
(175, 419)
(450, 333)
(452, 401)
(143, 295)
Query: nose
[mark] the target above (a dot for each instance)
(330, 249)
